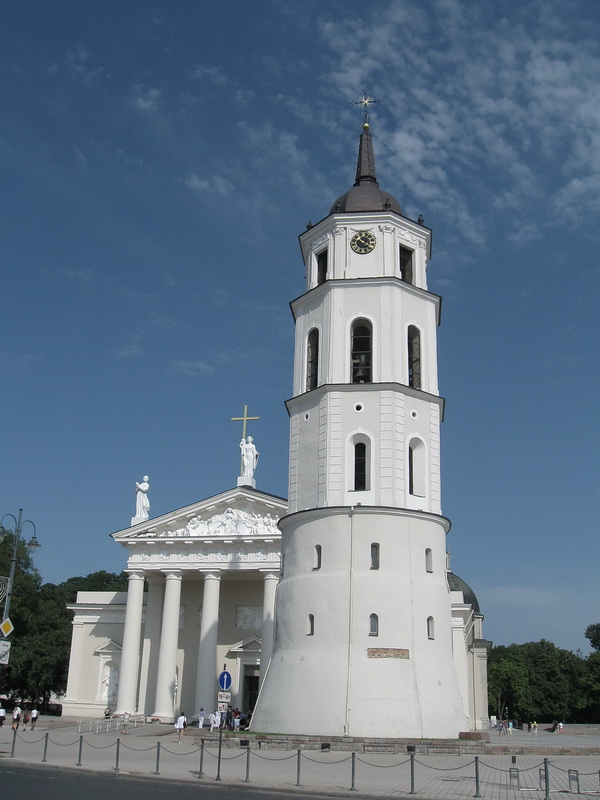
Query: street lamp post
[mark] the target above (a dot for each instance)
(32, 545)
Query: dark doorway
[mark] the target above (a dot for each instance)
(250, 694)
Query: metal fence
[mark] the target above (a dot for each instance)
(412, 774)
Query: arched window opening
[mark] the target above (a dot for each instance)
(311, 625)
(373, 625)
(375, 555)
(321, 267)
(406, 264)
(360, 467)
(414, 357)
(361, 358)
(428, 560)
(317, 557)
(312, 360)
(430, 628)
(416, 468)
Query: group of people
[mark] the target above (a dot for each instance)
(231, 720)
(20, 717)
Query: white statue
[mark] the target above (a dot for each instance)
(249, 456)
(142, 503)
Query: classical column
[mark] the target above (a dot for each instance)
(206, 678)
(164, 706)
(268, 626)
(130, 653)
(150, 649)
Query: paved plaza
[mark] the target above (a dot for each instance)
(571, 760)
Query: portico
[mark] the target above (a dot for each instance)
(201, 593)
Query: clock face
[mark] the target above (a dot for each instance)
(363, 242)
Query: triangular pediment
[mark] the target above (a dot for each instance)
(110, 648)
(250, 645)
(238, 512)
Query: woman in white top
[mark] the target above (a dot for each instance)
(180, 725)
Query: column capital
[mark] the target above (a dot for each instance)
(135, 574)
(172, 574)
(211, 575)
(268, 574)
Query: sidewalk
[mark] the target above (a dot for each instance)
(503, 776)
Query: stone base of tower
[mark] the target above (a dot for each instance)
(363, 629)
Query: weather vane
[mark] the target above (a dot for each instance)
(365, 101)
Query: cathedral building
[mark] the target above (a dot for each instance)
(335, 612)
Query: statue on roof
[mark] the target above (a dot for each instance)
(142, 502)
(249, 456)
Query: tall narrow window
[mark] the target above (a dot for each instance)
(375, 555)
(414, 357)
(373, 625)
(406, 264)
(428, 560)
(416, 468)
(361, 357)
(321, 267)
(317, 557)
(312, 360)
(310, 631)
(360, 467)
(430, 628)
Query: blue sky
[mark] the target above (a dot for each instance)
(160, 160)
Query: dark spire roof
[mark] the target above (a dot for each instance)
(366, 195)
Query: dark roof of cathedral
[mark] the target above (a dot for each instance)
(366, 195)
(458, 585)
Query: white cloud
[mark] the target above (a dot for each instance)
(215, 184)
(193, 368)
(146, 101)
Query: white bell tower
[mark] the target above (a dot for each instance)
(363, 626)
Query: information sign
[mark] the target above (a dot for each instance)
(224, 697)
(225, 680)
(4, 651)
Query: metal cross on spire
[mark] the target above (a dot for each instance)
(365, 101)
(243, 419)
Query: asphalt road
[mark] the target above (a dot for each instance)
(49, 783)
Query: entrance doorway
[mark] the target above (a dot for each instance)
(250, 692)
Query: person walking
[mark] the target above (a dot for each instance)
(180, 726)
(2, 715)
(201, 718)
(34, 717)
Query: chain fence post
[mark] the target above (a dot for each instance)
(247, 778)
(117, 755)
(78, 764)
(299, 755)
(201, 767)
(157, 770)
(14, 742)
(218, 778)
(44, 759)
(477, 788)
(547, 779)
(412, 774)
(353, 787)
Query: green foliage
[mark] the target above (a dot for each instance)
(540, 681)
(592, 632)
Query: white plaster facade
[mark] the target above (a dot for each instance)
(339, 606)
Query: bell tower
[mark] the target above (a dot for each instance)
(363, 626)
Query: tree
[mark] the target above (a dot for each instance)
(592, 632)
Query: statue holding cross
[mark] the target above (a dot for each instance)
(248, 451)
